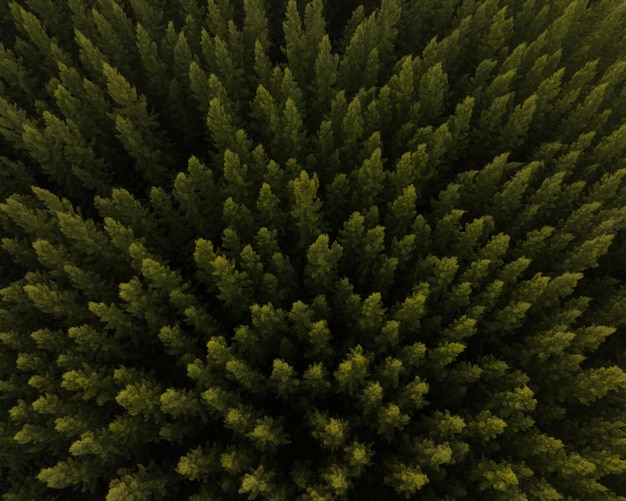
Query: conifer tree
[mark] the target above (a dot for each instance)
(312, 250)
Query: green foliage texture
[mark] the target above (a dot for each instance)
(312, 250)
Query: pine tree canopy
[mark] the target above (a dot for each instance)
(313, 250)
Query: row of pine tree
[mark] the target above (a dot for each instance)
(313, 250)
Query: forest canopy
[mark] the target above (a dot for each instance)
(312, 250)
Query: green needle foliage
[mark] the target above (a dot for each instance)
(313, 250)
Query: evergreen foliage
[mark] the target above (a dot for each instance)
(312, 250)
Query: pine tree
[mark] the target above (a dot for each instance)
(309, 250)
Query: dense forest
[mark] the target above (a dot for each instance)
(312, 250)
